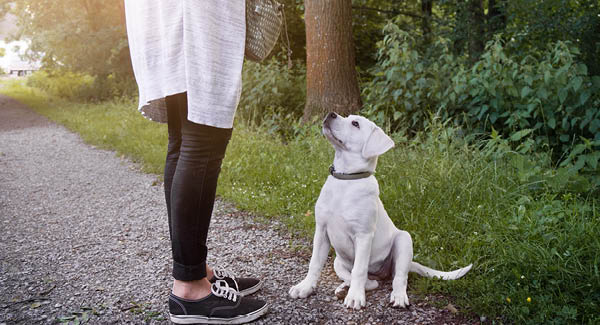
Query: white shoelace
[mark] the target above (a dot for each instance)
(221, 274)
(221, 289)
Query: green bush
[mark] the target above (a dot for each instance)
(63, 84)
(110, 87)
(548, 98)
(273, 96)
(551, 97)
(406, 87)
(79, 86)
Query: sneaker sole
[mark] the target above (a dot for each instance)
(241, 319)
(251, 290)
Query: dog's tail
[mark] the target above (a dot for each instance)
(431, 273)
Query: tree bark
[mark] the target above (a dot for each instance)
(331, 81)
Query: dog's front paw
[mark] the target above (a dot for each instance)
(355, 299)
(399, 298)
(302, 290)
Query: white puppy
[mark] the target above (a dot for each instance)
(350, 217)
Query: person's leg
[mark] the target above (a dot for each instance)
(173, 149)
(191, 178)
(174, 127)
(193, 192)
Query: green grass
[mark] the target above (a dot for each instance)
(460, 203)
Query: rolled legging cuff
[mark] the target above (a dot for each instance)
(189, 272)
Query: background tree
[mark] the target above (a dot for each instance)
(81, 36)
(331, 81)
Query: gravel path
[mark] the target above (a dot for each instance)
(84, 239)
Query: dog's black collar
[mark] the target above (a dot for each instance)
(345, 176)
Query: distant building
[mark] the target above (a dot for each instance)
(21, 69)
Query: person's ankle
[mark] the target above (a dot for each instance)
(192, 290)
(209, 272)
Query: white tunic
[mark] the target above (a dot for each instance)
(188, 45)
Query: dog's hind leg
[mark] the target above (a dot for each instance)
(371, 284)
(403, 254)
(343, 273)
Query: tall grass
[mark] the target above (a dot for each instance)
(536, 250)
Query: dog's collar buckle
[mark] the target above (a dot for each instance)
(351, 176)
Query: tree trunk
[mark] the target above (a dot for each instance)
(496, 17)
(426, 11)
(331, 81)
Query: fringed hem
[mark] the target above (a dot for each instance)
(155, 110)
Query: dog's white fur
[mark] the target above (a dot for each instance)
(350, 217)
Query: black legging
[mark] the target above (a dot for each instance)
(192, 168)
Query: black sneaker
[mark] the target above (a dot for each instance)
(223, 306)
(245, 286)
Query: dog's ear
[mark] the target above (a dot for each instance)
(377, 144)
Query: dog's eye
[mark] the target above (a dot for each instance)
(355, 124)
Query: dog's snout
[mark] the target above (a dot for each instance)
(328, 118)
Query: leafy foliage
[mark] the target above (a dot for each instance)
(273, 96)
(545, 97)
(406, 87)
(552, 97)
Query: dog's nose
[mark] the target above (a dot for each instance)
(332, 115)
